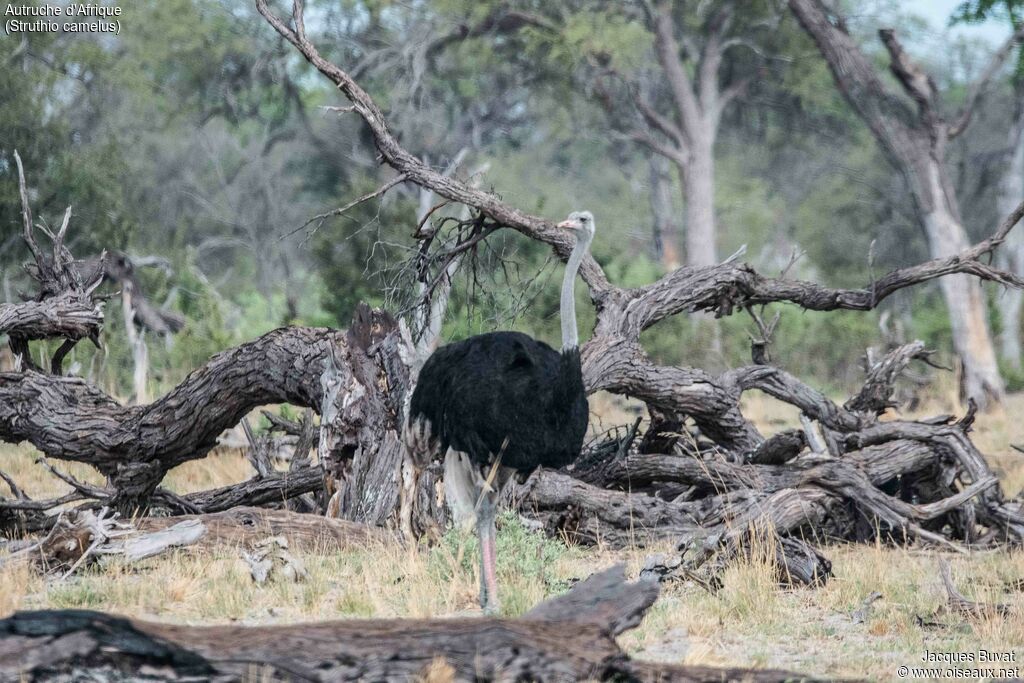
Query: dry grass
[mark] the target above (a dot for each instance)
(751, 621)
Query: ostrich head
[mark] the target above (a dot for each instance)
(580, 222)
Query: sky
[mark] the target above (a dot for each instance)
(937, 12)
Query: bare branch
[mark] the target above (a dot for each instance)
(978, 87)
(347, 207)
(876, 394)
(659, 122)
(886, 114)
(420, 173)
(26, 211)
(725, 287)
(671, 153)
(732, 92)
(914, 80)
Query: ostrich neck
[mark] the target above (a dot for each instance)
(567, 311)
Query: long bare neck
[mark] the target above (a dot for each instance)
(567, 309)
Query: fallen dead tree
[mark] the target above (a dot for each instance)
(845, 474)
(570, 637)
(242, 525)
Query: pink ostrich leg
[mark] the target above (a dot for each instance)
(490, 559)
(488, 556)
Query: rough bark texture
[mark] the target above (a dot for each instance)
(69, 316)
(915, 142)
(571, 637)
(68, 418)
(276, 487)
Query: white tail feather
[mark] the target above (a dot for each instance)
(461, 488)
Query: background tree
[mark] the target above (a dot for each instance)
(916, 142)
(1011, 183)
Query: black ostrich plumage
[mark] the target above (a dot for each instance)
(477, 392)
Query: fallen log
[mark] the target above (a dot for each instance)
(243, 525)
(801, 494)
(273, 488)
(68, 418)
(570, 637)
(23, 516)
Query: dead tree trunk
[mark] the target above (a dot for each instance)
(915, 142)
(67, 418)
(137, 344)
(615, 361)
(65, 306)
(570, 637)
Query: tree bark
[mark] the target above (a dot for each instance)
(69, 316)
(359, 381)
(698, 177)
(137, 344)
(240, 525)
(697, 112)
(1011, 257)
(67, 418)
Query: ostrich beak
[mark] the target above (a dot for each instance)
(567, 225)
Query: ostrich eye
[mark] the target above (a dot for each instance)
(583, 219)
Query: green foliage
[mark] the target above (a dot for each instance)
(978, 11)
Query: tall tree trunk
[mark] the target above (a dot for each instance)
(964, 297)
(1011, 256)
(666, 229)
(698, 184)
(698, 178)
(915, 141)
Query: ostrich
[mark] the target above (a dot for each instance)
(500, 403)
